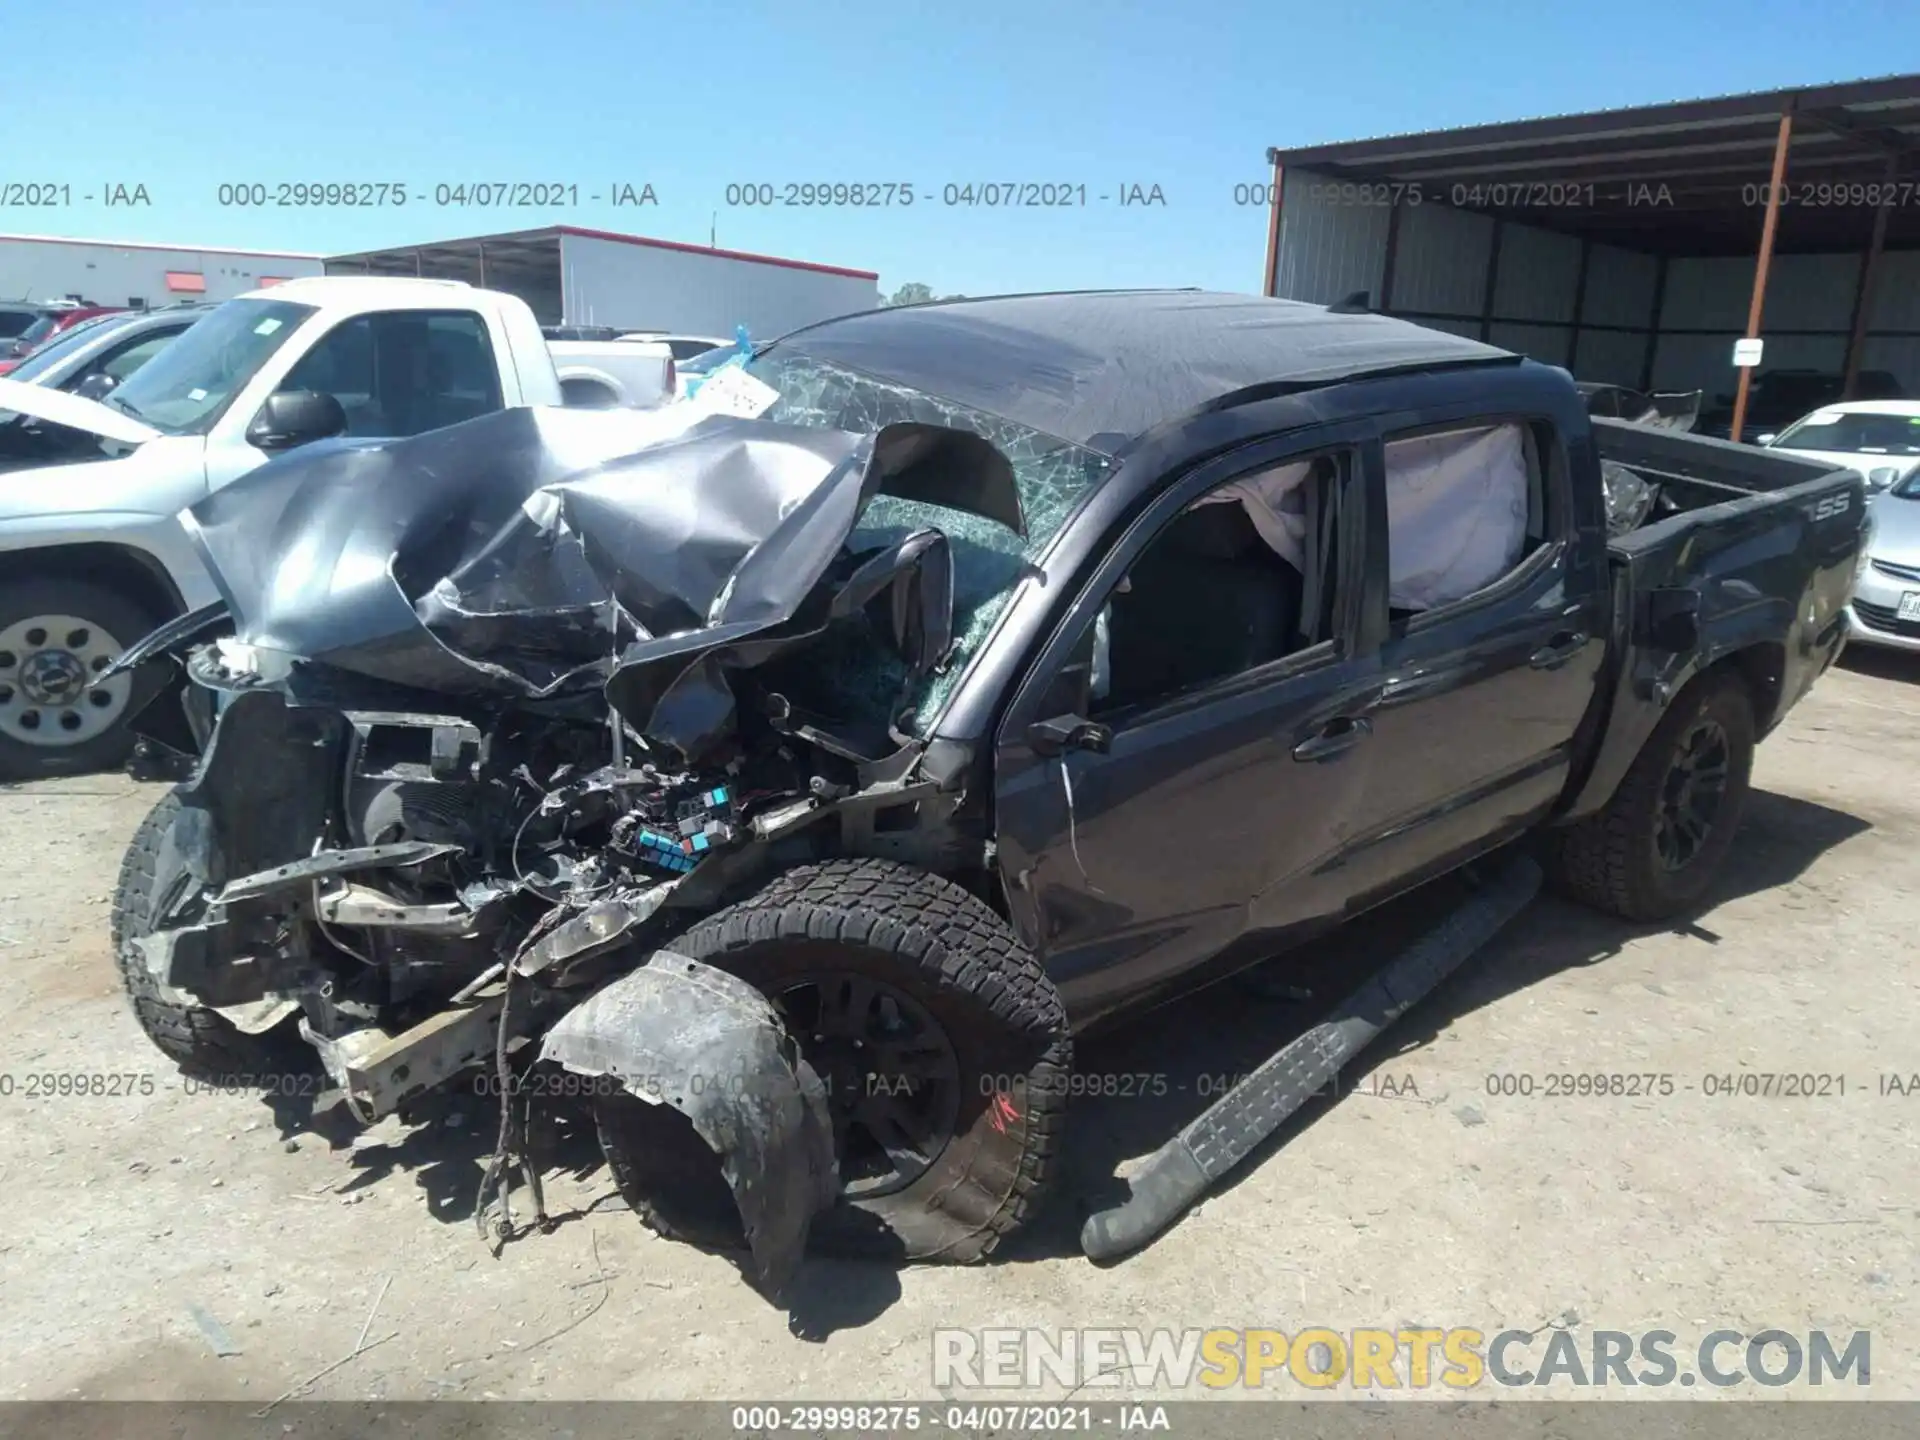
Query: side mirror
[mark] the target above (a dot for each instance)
(1766, 439)
(95, 386)
(296, 417)
(1071, 690)
(1069, 732)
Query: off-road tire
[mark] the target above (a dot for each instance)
(1609, 859)
(948, 951)
(125, 620)
(202, 1042)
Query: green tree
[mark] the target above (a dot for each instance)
(912, 293)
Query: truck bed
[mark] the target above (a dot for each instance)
(1752, 551)
(1694, 471)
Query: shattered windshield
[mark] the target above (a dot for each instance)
(988, 558)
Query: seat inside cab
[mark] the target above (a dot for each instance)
(1223, 589)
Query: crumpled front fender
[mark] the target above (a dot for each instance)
(682, 1033)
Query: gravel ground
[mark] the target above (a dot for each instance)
(1417, 1198)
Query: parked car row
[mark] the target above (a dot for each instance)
(106, 348)
(1777, 397)
(1880, 439)
(26, 328)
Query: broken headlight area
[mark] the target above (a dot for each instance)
(375, 869)
(425, 895)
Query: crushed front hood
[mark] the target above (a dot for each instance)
(537, 551)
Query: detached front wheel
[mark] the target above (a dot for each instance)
(1657, 847)
(941, 1042)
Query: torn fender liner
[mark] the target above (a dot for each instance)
(531, 552)
(710, 1045)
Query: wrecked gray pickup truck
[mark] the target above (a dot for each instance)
(807, 775)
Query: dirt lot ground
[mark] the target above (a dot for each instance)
(1419, 1198)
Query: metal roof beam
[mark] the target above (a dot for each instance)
(1880, 138)
(1765, 107)
(1757, 145)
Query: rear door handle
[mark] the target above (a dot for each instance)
(1558, 651)
(1336, 737)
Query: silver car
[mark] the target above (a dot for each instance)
(106, 349)
(1886, 601)
(1880, 439)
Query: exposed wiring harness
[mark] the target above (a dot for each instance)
(510, 1143)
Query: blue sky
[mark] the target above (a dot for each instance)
(691, 97)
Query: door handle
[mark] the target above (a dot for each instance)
(1558, 651)
(1336, 737)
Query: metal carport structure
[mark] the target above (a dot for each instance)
(1819, 171)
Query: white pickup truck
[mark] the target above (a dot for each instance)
(91, 555)
(608, 374)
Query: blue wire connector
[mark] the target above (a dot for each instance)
(663, 850)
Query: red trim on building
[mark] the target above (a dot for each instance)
(746, 255)
(267, 282)
(182, 249)
(189, 282)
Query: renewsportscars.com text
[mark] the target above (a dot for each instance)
(1461, 1358)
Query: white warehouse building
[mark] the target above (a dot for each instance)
(36, 269)
(575, 276)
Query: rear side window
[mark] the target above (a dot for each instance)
(38, 330)
(687, 349)
(13, 323)
(1464, 507)
(460, 361)
(57, 351)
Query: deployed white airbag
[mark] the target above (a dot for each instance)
(1456, 513)
(1274, 504)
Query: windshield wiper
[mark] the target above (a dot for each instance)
(125, 409)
